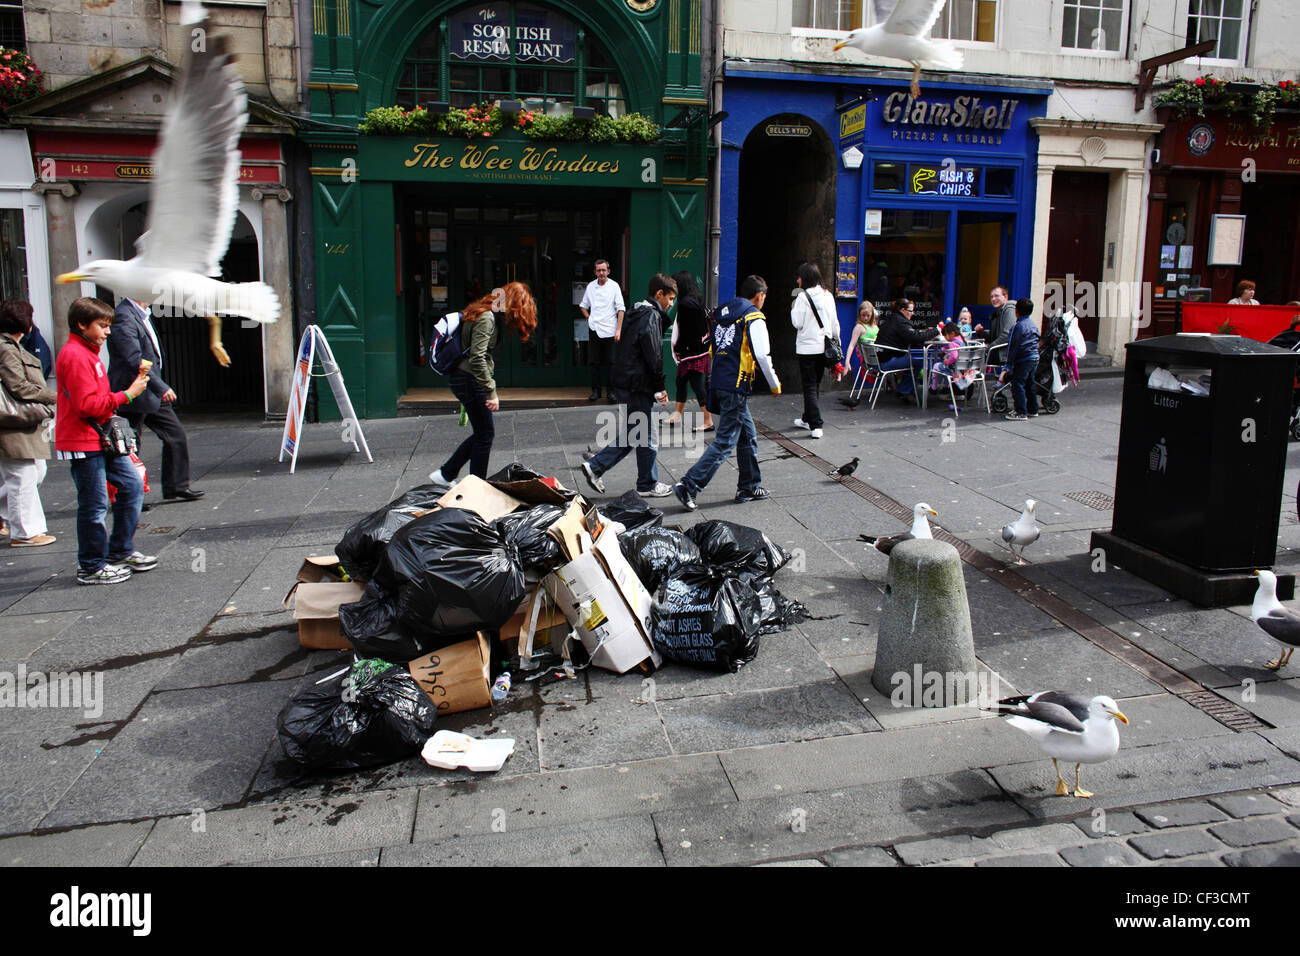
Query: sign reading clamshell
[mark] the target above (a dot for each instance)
(560, 164)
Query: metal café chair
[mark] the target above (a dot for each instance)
(876, 357)
(864, 372)
(970, 365)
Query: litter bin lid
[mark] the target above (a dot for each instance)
(1196, 343)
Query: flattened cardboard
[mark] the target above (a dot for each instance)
(456, 677)
(316, 609)
(534, 491)
(569, 529)
(474, 494)
(607, 605)
(549, 616)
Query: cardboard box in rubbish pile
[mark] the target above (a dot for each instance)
(316, 609)
(548, 616)
(456, 677)
(496, 499)
(600, 594)
(317, 568)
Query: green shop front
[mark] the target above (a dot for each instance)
(420, 211)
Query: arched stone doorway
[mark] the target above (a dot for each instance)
(786, 216)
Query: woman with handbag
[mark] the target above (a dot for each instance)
(817, 341)
(85, 406)
(26, 404)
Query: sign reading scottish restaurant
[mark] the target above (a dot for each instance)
(505, 161)
(484, 32)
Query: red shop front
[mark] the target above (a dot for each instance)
(1224, 206)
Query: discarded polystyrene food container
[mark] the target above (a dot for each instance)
(448, 750)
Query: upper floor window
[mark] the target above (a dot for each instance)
(974, 20)
(831, 15)
(518, 51)
(1092, 25)
(1221, 20)
(12, 34)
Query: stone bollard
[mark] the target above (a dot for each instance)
(925, 655)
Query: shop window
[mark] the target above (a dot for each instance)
(511, 51)
(12, 34)
(13, 255)
(887, 177)
(907, 260)
(999, 182)
(972, 20)
(1092, 25)
(1221, 20)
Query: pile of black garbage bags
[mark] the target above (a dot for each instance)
(435, 576)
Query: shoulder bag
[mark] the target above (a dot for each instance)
(834, 353)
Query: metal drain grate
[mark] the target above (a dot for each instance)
(1092, 499)
(1225, 711)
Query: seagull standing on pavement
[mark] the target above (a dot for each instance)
(1067, 727)
(1277, 621)
(920, 529)
(1023, 531)
(193, 200)
(905, 35)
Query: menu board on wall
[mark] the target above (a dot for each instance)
(846, 268)
(1227, 237)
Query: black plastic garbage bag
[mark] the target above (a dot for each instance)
(631, 512)
(451, 572)
(363, 544)
(370, 624)
(514, 472)
(747, 551)
(656, 553)
(706, 619)
(374, 714)
(526, 531)
(778, 611)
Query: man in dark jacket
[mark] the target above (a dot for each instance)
(896, 332)
(1022, 363)
(132, 342)
(636, 381)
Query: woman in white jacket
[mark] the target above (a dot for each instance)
(815, 321)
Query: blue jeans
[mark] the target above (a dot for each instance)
(94, 546)
(903, 361)
(735, 430)
(636, 429)
(1022, 388)
(477, 448)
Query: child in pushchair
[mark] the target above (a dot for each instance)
(1053, 346)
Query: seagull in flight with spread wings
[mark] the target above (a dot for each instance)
(905, 35)
(193, 200)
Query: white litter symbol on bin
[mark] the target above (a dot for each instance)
(1159, 458)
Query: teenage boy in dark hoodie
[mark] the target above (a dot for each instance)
(636, 380)
(739, 344)
(1022, 363)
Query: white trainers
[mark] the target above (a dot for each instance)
(800, 423)
(436, 478)
(658, 491)
(593, 479)
(816, 433)
(108, 574)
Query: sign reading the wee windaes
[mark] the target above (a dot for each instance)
(485, 32)
(571, 164)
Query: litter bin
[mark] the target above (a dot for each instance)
(1202, 451)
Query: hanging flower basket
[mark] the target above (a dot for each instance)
(20, 80)
(1209, 93)
(486, 120)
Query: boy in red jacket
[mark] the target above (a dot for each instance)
(84, 399)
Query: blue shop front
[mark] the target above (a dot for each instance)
(929, 198)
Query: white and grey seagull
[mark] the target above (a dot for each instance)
(1023, 531)
(1275, 619)
(905, 35)
(920, 529)
(1067, 727)
(193, 200)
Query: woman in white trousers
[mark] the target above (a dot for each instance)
(24, 445)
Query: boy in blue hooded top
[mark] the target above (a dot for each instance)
(1022, 363)
(739, 344)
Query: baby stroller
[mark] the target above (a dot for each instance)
(1053, 345)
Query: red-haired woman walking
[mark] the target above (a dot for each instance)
(473, 381)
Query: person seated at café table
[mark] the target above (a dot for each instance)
(1245, 294)
(896, 332)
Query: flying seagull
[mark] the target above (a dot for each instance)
(1023, 531)
(1278, 622)
(845, 470)
(193, 200)
(920, 529)
(1067, 727)
(906, 36)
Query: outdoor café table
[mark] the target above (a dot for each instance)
(929, 354)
